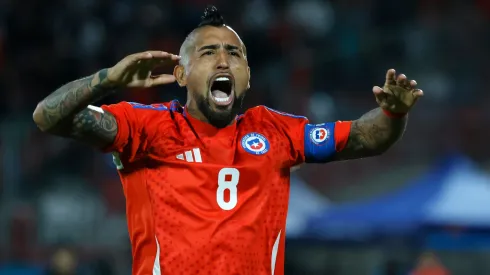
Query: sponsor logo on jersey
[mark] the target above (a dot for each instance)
(255, 144)
(319, 135)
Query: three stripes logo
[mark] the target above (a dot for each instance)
(193, 155)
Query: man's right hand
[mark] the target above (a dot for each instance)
(135, 71)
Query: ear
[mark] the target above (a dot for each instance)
(248, 71)
(179, 73)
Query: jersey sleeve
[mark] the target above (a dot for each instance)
(323, 141)
(134, 129)
(311, 143)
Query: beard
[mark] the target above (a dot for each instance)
(221, 116)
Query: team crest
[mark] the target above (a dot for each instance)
(255, 144)
(319, 135)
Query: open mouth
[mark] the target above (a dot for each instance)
(221, 90)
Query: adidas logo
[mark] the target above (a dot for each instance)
(193, 155)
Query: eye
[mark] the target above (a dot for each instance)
(235, 54)
(207, 53)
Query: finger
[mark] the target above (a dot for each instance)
(413, 84)
(147, 65)
(144, 70)
(160, 58)
(161, 79)
(390, 77)
(135, 58)
(406, 83)
(129, 73)
(175, 57)
(172, 57)
(401, 80)
(160, 55)
(417, 93)
(379, 93)
(381, 97)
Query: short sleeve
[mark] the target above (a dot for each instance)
(311, 143)
(134, 128)
(291, 127)
(323, 141)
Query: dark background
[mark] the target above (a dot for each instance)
(309, 57)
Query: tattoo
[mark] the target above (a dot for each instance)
(65, 112)
(372, 135)
(93, 127)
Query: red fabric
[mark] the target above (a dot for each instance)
(394, 115)
(341, 134)
(200, 196)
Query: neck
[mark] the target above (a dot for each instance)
(194, 111)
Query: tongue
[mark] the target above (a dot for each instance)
(219, 94)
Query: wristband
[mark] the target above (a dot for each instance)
(394, 115)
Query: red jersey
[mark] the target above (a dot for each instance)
(202, 200)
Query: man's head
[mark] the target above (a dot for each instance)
(214, 69)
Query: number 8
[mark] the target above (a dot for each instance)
(230, 185)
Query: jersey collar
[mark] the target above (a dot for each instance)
(204, 128)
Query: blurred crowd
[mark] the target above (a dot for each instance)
(316, 58)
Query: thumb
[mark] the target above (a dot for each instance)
(162, 79)
(379, 93)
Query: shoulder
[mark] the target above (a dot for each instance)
(273, 122)
(262, 112)
(144, 112)
(150, 107)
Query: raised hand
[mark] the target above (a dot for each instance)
(135, 71)
(398, 94)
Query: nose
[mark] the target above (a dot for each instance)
(222, 62)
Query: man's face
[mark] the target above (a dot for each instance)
(217, 75)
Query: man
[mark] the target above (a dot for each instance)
(207, 189)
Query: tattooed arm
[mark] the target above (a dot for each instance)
(372, 135)
(66, 112)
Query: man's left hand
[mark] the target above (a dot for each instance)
(398, 94)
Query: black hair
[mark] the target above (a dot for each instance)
(211, 17)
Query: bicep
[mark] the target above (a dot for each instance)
(94, 126)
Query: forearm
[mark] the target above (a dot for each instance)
(373, 134)
(61, 106)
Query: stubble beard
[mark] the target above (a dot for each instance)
(221, 117)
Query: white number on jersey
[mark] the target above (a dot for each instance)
(227, 180)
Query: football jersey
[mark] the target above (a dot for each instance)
(203, 200)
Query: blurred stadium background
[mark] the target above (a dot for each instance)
(62, 208)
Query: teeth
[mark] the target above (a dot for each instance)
(223, 78)
(221, 99)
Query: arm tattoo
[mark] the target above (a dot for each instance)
(64, 111)
(93, 127)
(372, 135)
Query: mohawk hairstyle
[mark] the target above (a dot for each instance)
(211, 17)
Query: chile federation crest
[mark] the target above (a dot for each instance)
(255, 144)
